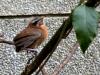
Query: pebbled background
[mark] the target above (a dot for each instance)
(12, 63)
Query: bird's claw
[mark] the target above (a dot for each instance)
(33, 51)
(32, 54)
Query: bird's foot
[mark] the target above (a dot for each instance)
(32, 50)
(32, 53)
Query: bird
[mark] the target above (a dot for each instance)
(32, 36)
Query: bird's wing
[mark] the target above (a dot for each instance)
(26, 32)
(26, 41)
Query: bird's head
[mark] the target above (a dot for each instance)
(37, 21)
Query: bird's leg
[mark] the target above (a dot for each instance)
(32, 54)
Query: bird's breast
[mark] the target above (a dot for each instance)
(44, 31)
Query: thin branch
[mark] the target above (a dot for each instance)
(27, 16)
(7, 42)
(66, 59)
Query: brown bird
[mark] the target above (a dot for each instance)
(32, 36)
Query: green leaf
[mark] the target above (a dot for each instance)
(85, 21)
(99, 14)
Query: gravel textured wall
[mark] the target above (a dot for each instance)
(12, 63)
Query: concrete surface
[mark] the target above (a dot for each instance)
(12, 63)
